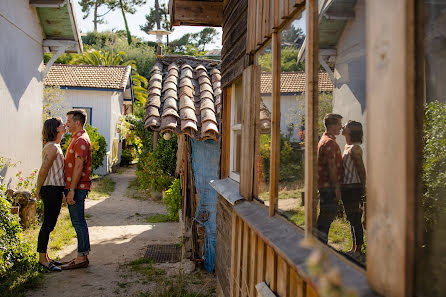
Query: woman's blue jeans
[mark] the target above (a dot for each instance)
(77, 214)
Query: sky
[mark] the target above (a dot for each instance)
(114, 20)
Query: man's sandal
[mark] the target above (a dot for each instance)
(73, 265)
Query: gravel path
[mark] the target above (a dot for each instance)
(118, 235)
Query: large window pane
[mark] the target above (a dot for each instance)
(431, 69)
(341, 149)
(292, 125)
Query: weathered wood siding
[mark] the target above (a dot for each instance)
(223, 246)
(233, 55)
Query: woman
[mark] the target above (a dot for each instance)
(353, 183)
(50, 186)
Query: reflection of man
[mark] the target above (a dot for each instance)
(77, 184)
(330, 174)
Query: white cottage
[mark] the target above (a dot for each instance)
(105, 93)
(292, 88)
(27, 29)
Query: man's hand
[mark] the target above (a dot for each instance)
(70, 198)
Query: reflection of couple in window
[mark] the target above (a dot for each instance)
(341, 176)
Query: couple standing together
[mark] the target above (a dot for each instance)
(341, 177)
(69, 177)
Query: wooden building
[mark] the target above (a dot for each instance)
(404, 42)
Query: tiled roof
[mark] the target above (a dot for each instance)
(185, 97)
(88, 76)
(293, 82)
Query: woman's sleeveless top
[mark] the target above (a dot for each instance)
(55, 175)
(351, 175)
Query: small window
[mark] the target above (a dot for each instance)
(236, 129)
(88, 110)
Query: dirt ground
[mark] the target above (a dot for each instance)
(118, 236)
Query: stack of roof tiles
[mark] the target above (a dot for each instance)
(293, 82)
(184, 99)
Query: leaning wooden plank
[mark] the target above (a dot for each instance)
(264, 291)
(261, 261)
(271, 271)
(238, 286)
(253, 262)
(259, 23)
(266, 29)
(311, 292)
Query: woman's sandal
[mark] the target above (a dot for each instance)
(51, 267)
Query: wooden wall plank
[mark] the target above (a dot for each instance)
(311, 114)
(283, 278)
(223, 250)
(238, 277)
(261, 261)
(266, 29)
(310, 292)
(253, 263)
(271, 271)
(391, 201)
(275, 14)
(259, 23)
(275, 127)
(234, 253)
(296, 285)
(203, 13)
(245, 260)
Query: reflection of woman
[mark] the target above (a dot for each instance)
(353, 182)
(50, 185)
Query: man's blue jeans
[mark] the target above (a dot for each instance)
(77, 214)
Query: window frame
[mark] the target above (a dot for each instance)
(235, 129)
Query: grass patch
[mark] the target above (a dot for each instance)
(63, 234)
(134, 191)
(145, 265)
(101, 187)
(159, 218)
(87, 216)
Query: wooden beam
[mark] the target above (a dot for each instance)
(226, 133)
(337, 15)
(390, 200)
(47, 3)
(234, 253)
(253, 262)
(259, 23)
(311, 114)
(198, 13)
(275, 127)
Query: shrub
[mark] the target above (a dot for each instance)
(172, 200)
(126, 157)
(434, 174)
(98, 145)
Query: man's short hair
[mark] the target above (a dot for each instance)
(331, 119)
(78, 115)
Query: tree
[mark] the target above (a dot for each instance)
(293, 35)
(191, 42)
(159, 19)
(88, 5)
(205, 36)
(288, 60)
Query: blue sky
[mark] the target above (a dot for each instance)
(113, 20)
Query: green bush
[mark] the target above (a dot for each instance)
(172, 200)
(434, 174)
(126, 157)
(98, 145)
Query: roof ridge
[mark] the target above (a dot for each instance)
(89, 65)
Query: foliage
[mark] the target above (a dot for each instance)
(98, 145)
(196, 41)
(288, 60)
(293, 35)
(26, 182)
(126, 156)
(325, 107)
(164, 18)
(16, 256)
(434, 174)
(54, 104)
(172, 200)
(159, 218)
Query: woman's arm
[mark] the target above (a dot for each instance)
(49, 155)
(359, 163)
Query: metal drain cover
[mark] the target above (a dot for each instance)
(162, 253)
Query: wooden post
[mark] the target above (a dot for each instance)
(155, 139)
(311, 114)
(275, 127)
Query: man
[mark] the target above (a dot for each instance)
(77, 184)
(330, 174)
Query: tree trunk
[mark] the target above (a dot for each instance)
(129, 37)
(157, 15)
(95, 17)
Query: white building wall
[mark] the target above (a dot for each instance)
(100, 104)
(20, 87)
(292, 107)
(349, 97)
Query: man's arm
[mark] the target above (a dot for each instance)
(48, 159)
(333, 175)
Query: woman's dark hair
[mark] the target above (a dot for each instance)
(49, 132)
(355, 131)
